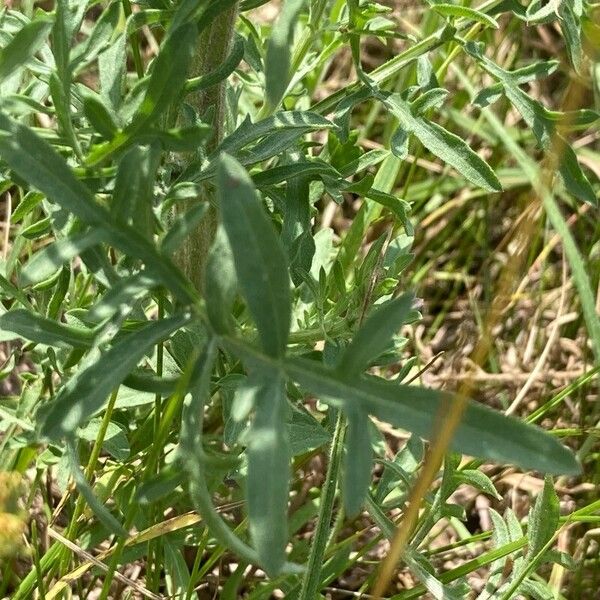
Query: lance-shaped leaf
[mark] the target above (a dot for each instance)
(540, 121)
(453, 10)
(34, 160)
(88, 390)
(269, 471)
(543, 519)
(358, 461)
(249, 132)
(277, 61)
(258, 255)
(375, 334)
(50, 259)
(445, 145)
(134, 188)
(101, 512)
(169, 72)
(220, 283)
(24, 44)
(45, 331)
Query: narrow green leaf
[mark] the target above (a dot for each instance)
(249, 132)
(305, 432)
(143, 381)
(258, 255)
(220, 283)
(375, 334)
(111, 72)
(37, 162)
(122, 293)
(538, 11)
(88, 390)
(543, 519)
(169, 72)
(432, 98)
(99, 115)
(304, 168)
(179, 139)
(269, 471)
(26, 205)
(358, 461)
(572, 175)
(177, 575)
(277, 60)
(134, 188)
(235, 57)
(570, 26)
(103, 514)
(52, 257)
(447, 146)
(478, 480)
(483, 432)
(424, 570)
(45, 331)
(463, 12)
(191, 453)
(115, 440)
(24, 44)
(100, 37)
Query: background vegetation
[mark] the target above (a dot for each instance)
(256, 254)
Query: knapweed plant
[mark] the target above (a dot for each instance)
(191, 332)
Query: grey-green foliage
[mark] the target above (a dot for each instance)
(104, 304)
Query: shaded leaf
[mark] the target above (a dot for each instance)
(376, 333)
(52, 257)
(101, 512)
(543, 519)
(24, 44)
(277, 61)
(464, 12)
(88, 390)
(38, 329)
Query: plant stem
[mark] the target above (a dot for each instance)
(312, 578)
(213, 48)
(135, 46)
(89, 473)
(155, 546)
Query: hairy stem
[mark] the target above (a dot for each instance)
(312, 576)
(213, 47)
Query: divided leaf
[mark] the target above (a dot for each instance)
(33, 159)
(87, 391)
(483, 432)
(445, 145)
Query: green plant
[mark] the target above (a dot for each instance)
(181, 310)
